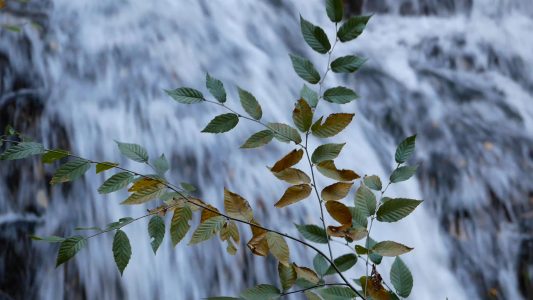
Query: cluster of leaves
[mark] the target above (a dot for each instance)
(352, 222)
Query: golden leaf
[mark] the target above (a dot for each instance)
(258, 243)
(293, 176)
(302, 115)
(374, 288)
(334, 124)
(143, 183)
(328, 169)
(208, 213)
(230, 230)
(237, 207)
(288, 161)
(339, 212)
(294, 194)
(306, 273)
(336, 191)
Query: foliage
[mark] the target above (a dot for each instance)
(348, 223)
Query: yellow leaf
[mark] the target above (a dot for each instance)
(208, 214)
(258, 243)
(374, 288)
(145, 194)
(288, 161)
(143, 183)
(302, 115)
(278, 247)
(328, 169)
(230, 230)
(306, 273)
(339, 212)
(237, 207)
(336, 191)
(294, 194)
(231, 249)
(334, 124)
(293, 176)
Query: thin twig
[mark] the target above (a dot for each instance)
(313, 287)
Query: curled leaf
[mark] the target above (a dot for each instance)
(336, 191)
(328, 169)
(288, 160)
(294, 194)
(333, 124)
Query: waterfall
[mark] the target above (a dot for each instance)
(455, 72)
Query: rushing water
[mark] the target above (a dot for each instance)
(455, 72)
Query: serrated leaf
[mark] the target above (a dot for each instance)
(143, 183)
(145, 194)
(161, 165)
(71, 171)
(258, 244)
(250, 104)
(373, 182)
(186, 95)
(22, 150)
(309, 295)
(305, 69)
(314, 36)
(156, 231)
(337, 293)
(390, 248)
(208, 212)
(309, 95)
(352, 28)
(115, 183)
(222, 123)
(237, 207)
(292, 176)
(121, 250)
(334, 10)
(179, 225)
(326, 152)
(374, 257)
(187, 187)
(320, 264)
(294, 194)
(207, 230)
(52, 155)
(340, 95)
(259, 139)
(230, 230)
(334, 124)
(365, 201)
(347, 232)
(403, 173)
(216, 88)
(287, 276)
(347, 64)
(306, 273)
(401, 278)
(285, 133)
(104, 166)
(358, 218)
(288, 160)
(302, 115)
(374, 289)
(336, 191)
(344, 263)
(328, 169)
(133, 151)
(278, 247)
(261, 292)
(396, 209)
(405, 149)
(69, 248)
(49, 239)
(313, 233)
(339, 212)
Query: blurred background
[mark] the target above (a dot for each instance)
(79, 74)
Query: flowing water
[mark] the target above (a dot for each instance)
(454, 72)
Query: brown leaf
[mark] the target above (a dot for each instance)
(347, 232)
(328, 169)
(374, 287)
(288, 161)
(336, 191)
(258, 243)
(306, 273)
(208, 214)
(339, 212)
(237, 207)
(293, 176)
(302, 115)
(334, 124)
(294, 194)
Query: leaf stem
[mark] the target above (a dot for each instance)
(313, 287)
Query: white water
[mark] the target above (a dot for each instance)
(107, 62)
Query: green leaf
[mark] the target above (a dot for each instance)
(69, 248)
(258, 139)
(250, 104)
(179, 226)
(92, 228)
(156, 231)
(314, 36)
(287, 276)
(116, 182)
(334, 9)
(49, 239)
(261, 292)
(340, 95)
(305, 69)
(52, 155)
(309, 295)
(337, 293)
(403, 173)
(373, 182)
(374, 257)
(207, 229)
(401, 278)
(334, 124)
(396, 209)
(405, 149)
(22, 150)
(133, 151)
(121, 250)
(12, 28)
(390, 248)
(347, 64)
(222, 123)
(309, 95)
(313, 233)
(365, 201)
(320, 264)
(326, 152)
(344, 263)
(302, 115)
(145, 194)
(71, 171)
(358, 217)
(216, 88)
(187, 187)
(161, 165)
(285, 133)
(104, 166)
(186, 95)
(278, 247)
(352, 28)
